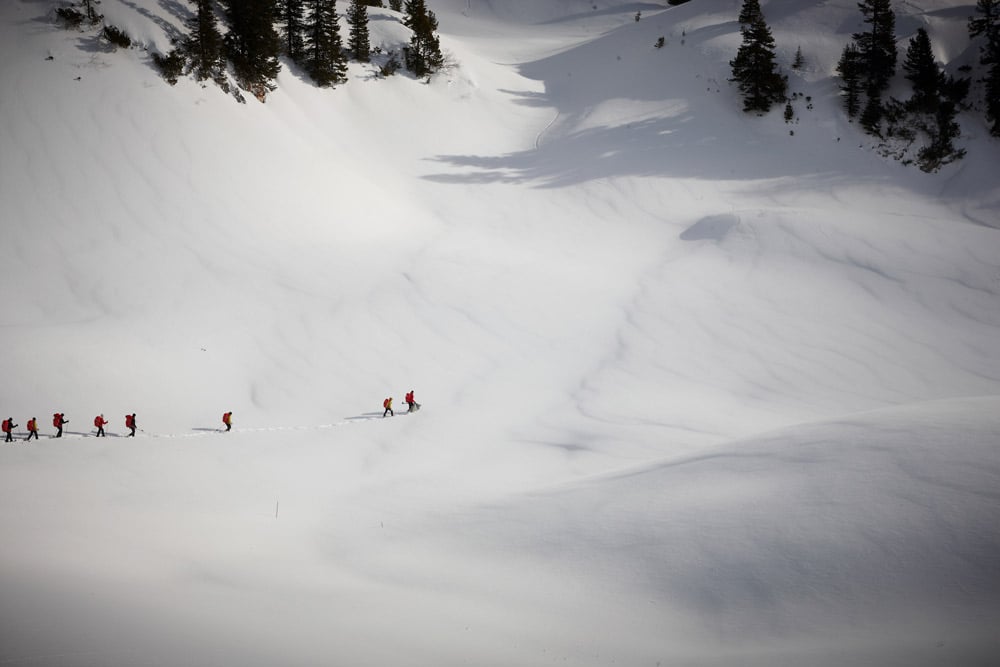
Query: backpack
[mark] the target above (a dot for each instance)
(385, 403)
(98, 422)
(225, 417)
(56, 419)
(129, 422)
(6, 426)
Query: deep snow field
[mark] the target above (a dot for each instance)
(696, 390)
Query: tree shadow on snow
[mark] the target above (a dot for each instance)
(176, 9)
(612, 119)
(667, 147)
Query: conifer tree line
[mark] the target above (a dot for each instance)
(754, 68)
(985, 26)
(307, 32)
(867, 68)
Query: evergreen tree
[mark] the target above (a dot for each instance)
(423, 55)
(203, 48)
(871, 117)
(750, 13)
(754, 68)
(396, 5)
(942, 149)
(252, 44)
(935, 94)
(993, 98)
(799, 60)
(90, 13)
(988, 24)
(953, 90)
(923, 73)
(358, 42)
(293, 32)
(878, 45)
(324, 55)
(851, 70)
(73, 17)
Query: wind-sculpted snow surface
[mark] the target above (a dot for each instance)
(871, 540)
(602, 280)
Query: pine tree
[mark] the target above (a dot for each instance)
(851, 69)
(988, 24)
(324, 53)
(293, 32)
(252, 44)
(799, 60)
(423, 55)
(358, 42)
(203, 48)
(750, 13)
(871, 117)
(754, 67)
(942, 148)
(396, 5)
(73, 17)
(923, 73)
(992, 91)
(90, 13)
(878, 46)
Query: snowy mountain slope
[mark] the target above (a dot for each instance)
(868, 540)
(599, 277)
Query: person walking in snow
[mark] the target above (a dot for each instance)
(99, 422)
(411, 402)
(130, 424)
(32, 429)
(8, 429)
(58, 419)
(227, 419)
(387, 404)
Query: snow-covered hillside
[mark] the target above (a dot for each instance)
(699, 387)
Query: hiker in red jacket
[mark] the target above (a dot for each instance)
(99, 422)
(58, 419)
(411, 402)
(32, 429)
(387, 404)
(227, 419)
(130, 424)
(8, 429)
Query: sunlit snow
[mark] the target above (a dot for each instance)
(699, 387)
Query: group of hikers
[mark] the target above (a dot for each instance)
(410, 403)
(59, 420)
